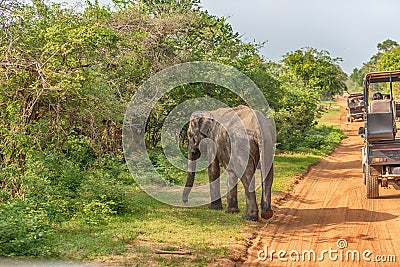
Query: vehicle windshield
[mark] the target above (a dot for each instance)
(355, 102)
(380, 87)
(379, 91)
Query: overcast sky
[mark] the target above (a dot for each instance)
(349, 29)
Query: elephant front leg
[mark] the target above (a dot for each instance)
(215, 190)
(231, 198)
(266, 210)
(251, 204)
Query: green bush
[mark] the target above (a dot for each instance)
(62, 186)
(321, 138)
(77, 149)
(52, 181)
(169, 172)
(101, 186)
(115, 167)
(296, 115)
(97, 212)
(24, 229)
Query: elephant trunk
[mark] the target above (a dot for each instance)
(192, 157)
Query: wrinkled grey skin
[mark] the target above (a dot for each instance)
(251, 143)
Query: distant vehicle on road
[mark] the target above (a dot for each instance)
(355, 106)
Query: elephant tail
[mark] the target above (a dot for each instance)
(266, 143)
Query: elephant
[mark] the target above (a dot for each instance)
(243, 137)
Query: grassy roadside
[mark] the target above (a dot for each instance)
(292, 163)
(333, 113)
(194, 236)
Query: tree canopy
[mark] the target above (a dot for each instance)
(316, 69)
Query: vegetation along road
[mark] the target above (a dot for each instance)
(329, 214)
(67, 76)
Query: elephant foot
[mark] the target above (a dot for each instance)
(216, 205)
(267, 214)
(232, 210)
(250, 217)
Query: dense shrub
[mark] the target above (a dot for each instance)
(171, 173)
(24, 229)
(101, 186)
(322, 139)
(96, 212)
(66, 77)
(298, 112)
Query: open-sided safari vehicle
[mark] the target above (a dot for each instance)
(355, 106)
(381, 151)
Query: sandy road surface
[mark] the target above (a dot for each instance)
(330, 204)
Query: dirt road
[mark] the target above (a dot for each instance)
(329, 204)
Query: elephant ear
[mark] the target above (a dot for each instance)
(206, 125)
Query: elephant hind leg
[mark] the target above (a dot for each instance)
(251, 204)
(266, 210)
(267, 214)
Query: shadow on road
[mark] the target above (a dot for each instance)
(331, 216)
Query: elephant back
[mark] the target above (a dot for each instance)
(244, 123)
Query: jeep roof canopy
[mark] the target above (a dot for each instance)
(380, 77)
(355, 95)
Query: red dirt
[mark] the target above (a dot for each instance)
(330, 204)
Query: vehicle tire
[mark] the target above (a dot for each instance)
(372, 184)
(364, 174)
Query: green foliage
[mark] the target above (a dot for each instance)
(390, 60)
(100, 186)
(65, 80)
(24, 229)
(321, 138)
(171, 173)
(77, 149)
(374, 63)
(298, 114)
(317, 70)
(302, 85)
(355, 81)
(97, 212)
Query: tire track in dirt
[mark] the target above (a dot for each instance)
(330, 204)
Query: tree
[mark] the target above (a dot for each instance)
(355, 81)
(383, 48)
(386, 46)
(316, 69)
(391, 61)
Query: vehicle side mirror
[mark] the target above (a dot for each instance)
(361, 131)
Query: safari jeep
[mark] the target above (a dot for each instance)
(381, 151)
(355, 107)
